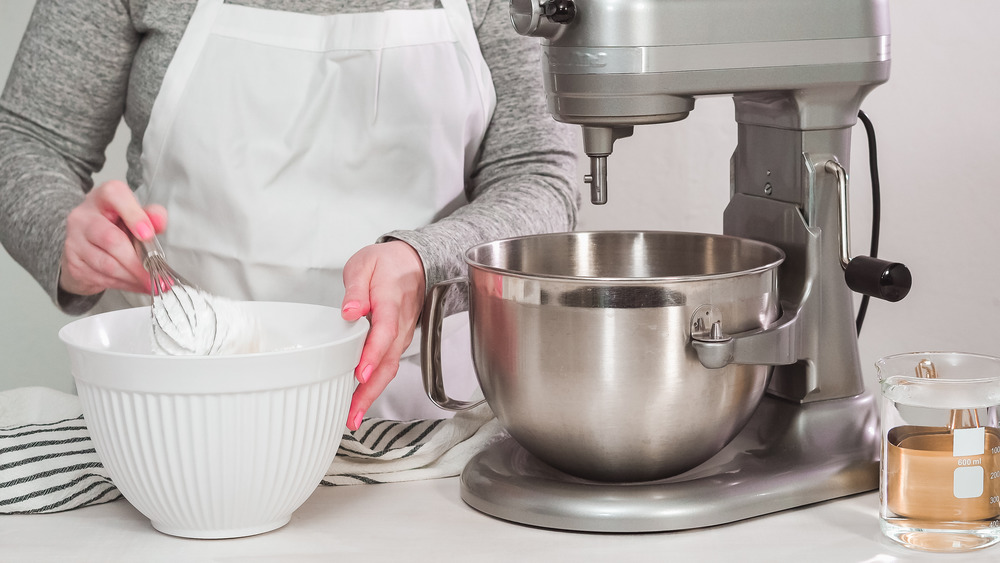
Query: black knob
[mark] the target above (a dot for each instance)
(878, 278)
(560, 11)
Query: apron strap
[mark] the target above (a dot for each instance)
(185, 57)
(461, 23)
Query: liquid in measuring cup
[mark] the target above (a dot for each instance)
(940, 468)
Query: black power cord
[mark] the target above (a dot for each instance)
(876, 206)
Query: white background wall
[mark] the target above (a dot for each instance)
(938, 129)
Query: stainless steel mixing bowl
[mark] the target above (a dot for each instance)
(581, 343)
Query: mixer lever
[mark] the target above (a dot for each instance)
(542, 18)
(866, 275)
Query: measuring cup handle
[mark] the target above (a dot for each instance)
(430, 348)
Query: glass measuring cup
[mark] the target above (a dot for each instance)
(940, 469)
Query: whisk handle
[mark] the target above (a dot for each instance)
(146, 248)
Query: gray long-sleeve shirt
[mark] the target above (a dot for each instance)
(83, 65)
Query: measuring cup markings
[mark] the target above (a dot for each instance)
(936, 473)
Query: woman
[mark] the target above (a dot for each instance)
(282, 138)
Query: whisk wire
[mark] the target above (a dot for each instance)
(179, 311)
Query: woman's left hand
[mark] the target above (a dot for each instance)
(385, 280)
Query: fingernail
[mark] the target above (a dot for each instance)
(143, 230)
(366, 374)
(352, 305)
(357, 419)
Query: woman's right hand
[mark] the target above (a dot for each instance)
(98, 253)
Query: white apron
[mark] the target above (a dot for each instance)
(281, 143)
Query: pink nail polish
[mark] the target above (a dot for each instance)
(366, 374)
(358, 418)
(144, 231)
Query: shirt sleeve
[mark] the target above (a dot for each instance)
(524, 180)
(61, 106)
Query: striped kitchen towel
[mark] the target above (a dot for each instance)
(387, 451)
(48, 462)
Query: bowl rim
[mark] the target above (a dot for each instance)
(780, 257)
(356, 329)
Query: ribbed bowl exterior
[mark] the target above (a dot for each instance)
(217, 446)
(218, 465)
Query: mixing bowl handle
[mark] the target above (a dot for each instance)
(430, 348)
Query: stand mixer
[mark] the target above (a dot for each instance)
(797, 71)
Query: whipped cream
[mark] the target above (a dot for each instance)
(193, 322)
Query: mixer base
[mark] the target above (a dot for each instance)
(788, 455)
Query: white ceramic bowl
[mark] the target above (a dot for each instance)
(217, 446)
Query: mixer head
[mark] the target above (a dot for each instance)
(612, 64)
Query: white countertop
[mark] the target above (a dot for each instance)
(427, 521)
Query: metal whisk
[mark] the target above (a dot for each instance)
(183, 317)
